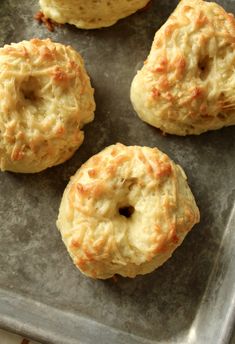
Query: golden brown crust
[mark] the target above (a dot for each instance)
(42, 19)
(46, 98)
(125, 211)
(187, 83)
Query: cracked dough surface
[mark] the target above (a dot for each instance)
(187, 83)
(90, 14)
(45, 99)
(125, 211)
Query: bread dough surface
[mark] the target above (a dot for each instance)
(187, 83)
(90, 14)
(45, 99)
(125, 211)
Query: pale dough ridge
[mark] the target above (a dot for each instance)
(90, 14)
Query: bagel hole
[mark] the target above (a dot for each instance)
(29, 89)
(126, 211)
(204, 66)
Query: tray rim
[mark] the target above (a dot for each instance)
(50, 332)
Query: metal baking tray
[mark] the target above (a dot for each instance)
(191, 298)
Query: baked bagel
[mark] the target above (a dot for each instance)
(187, 83)
(89, 14)
(45, 99)
(125, 211)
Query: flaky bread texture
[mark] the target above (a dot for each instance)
(101, 240)
(187, 83)
(90, 14)
(45, 99)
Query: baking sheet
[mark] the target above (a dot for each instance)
(191, 298)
